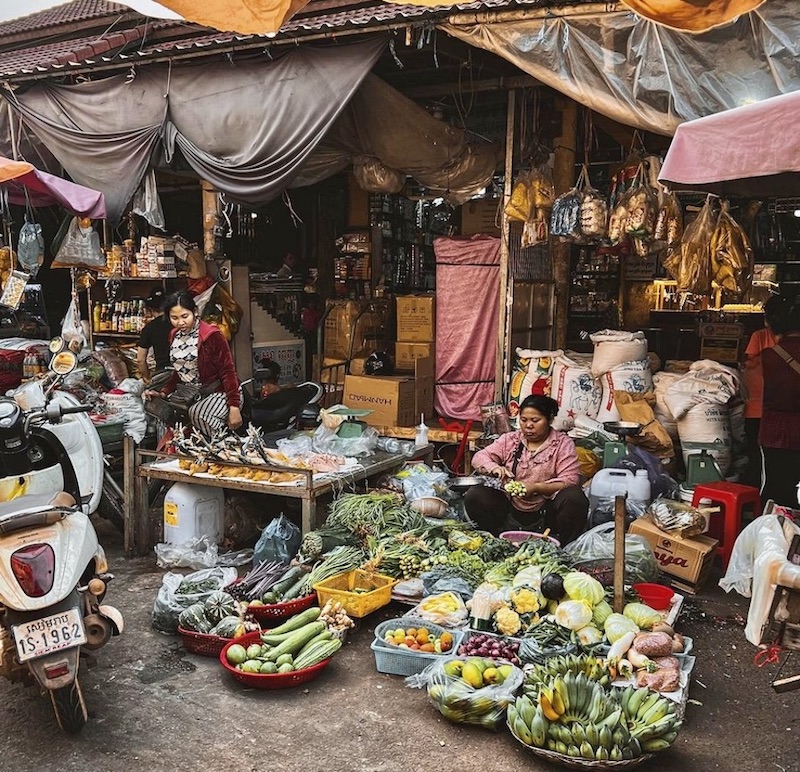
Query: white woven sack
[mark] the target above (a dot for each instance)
(707, 426)
(530, 367)
(661, 382)
(633, 377)
(576, 391)
(615, 347)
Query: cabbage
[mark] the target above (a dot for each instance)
(644, 616)
(530, 576)
(573, 614)
(617, 625)
(580, 586)
(600, 613)
(589, 635)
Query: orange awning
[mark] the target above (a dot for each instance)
(692, 15)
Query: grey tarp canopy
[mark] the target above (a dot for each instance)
(644, 75)
(250, 127)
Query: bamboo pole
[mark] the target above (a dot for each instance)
(210, 219)
(619, 554)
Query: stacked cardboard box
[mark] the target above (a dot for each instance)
(416, 328)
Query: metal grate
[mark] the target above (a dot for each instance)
(529, 263)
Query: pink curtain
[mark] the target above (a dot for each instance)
(467, 308)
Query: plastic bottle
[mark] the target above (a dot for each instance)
(639, 487)
(422, 434)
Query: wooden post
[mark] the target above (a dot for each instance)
(563, 180)
(128, 484)
(619, 554)
(210, 219)
(505, 298)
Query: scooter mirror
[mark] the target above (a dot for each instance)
(63, 363)
(56, 344)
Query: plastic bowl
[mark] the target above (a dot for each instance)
(269, 680)
(517, 537)
(657, 596)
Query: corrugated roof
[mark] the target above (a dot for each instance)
(123, 42)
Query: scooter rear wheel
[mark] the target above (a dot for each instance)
(69, 707)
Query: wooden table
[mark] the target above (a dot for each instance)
(436, 435)
(142, 532)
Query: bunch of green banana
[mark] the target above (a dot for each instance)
(594, 668)
(577, 717)
(650, 717)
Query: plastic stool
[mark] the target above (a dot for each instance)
(733, 498)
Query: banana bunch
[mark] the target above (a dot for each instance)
(577, 717)
(594, 668)
(650, 717)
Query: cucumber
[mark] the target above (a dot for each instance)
(298, 589)
(317, 653)
(287, 580)
(297, 621)
(301, 637)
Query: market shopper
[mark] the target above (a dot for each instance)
(545, 461)
(154, 336)
(753, 380)
(203, 368)
(779, 433)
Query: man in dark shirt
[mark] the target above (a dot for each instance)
(154, 335)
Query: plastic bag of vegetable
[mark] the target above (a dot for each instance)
(280, 540)
(598, 544)
(446, 609)
(470, 690)
(178, 592)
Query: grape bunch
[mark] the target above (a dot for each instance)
(515, 488)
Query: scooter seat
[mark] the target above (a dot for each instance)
(35, 510)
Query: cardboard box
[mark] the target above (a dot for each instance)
(480, 217)
(396, 400)
(687, 560)
(416, 318)
(406, 354)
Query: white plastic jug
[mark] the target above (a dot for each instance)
(192, 511)
(608, 483)
(639, 488)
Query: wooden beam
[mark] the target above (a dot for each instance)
(563, 179)
(490, 84)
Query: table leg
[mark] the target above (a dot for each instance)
(309, 513)
(128, 484)
(141, 506)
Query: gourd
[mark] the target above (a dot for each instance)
(193, 618)
(218, 606)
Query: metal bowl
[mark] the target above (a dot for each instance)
(463, 484)
(623, 428)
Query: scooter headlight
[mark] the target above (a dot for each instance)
(34, 567)
(12, 437)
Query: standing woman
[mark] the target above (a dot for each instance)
(202, 360)
(779, 434)
(545, 461)
(154, 335)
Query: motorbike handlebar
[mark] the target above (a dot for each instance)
(76, 409)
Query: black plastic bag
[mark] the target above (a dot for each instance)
(280, 540)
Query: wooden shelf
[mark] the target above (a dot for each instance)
(115, 334)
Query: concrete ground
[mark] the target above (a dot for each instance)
(154, 707)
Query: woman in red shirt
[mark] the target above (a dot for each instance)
(779, 434)
(545, 461)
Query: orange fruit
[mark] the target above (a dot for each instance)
(414, 646)
(410, 641)
(411, 632)
(446, 638)
(422, 635)
(426, 647)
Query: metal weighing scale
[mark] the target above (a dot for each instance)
(351, 426)
(615, 450)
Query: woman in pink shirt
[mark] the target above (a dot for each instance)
(542, 459)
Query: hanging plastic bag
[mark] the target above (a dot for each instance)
(80, 247)
(220, 309)
(690, 263)
(540, 197)
(14, 289)
(594, 211)
(178, 592)
(146, 202)
(372, 176)
(462, 694)
(565, 219)
(669, 223)
(71, 328)
(30, 249)
(731, 255)
(280, 540)
(598, 545)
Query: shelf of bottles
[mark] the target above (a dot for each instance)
(352, 268)
(119, 318)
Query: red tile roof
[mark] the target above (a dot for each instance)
(77, 10)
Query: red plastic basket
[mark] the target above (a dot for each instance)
(269, 680)
(203, 644)
(275, 612)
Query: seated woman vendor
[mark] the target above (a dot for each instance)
(545, 461)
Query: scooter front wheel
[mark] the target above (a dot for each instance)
(69, 707)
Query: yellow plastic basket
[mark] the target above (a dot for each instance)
(374, 591)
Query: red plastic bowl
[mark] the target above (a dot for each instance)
(657, 596)
(269, 680)
(271, 614)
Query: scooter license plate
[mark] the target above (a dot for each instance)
(44, 636)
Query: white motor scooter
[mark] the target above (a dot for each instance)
(53, 571)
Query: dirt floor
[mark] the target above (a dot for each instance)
(154, 707)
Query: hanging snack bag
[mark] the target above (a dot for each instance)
(690, 263)
(80, 247)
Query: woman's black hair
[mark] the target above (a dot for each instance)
(783, 314)
(547, 406)
(182, 298)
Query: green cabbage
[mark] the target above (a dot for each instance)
(644, 616)
(530, 576)
(617, 625)
(580, 586)
(589, 635)
(573, 614)
(600, 613)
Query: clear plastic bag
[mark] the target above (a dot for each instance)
(280, 540)
(445, 608)
(30, 249)
(598, 544)
(80, 247)
(178, 592)
(458, 700)
(328, 441)
(198, 553)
